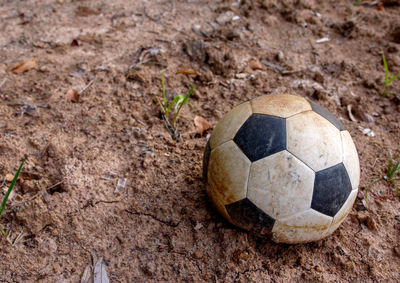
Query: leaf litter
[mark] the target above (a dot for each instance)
(24, 66)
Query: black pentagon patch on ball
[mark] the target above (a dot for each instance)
(246, 214)
(261, 135)
(332, 187)
(206, 159)
(327, 115)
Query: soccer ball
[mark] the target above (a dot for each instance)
(283, 166)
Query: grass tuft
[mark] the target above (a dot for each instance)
(173, 107)
(390, 179)
(387, 79)
(3, 204)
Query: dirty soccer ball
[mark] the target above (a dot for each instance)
(283, 166)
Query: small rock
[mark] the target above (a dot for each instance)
(198, 226)
(197, 29)
(9, 177)
(366, 131)
(255, 65)
(241, 76)
(280, 56)
(72, 95)
(322, 40)
(224, 18)
(197, 254)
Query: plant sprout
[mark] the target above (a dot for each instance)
(3, 204)
(389, 178)
(176, 104)
(387, 79)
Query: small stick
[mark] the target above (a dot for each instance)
(25, 104)
(3, 82)
(87, 86)
(19, 237)
(55, 185)
(45, 148)
(272, 65)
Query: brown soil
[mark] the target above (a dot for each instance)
(65, 212)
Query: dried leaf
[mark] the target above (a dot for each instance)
(201, 125)
(100, 273)
(349, 112)
(86, 276)
(76, 42)
(72, 95)
(188, 72)
(24, 66)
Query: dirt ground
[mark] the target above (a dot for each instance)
(82, 108)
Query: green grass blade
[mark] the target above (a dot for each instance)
(3, 232)
(193, 108)
(3, 204)
(392, 170)
(393, 78)
(386, 69)
(163, 92)
(173, 102)
(389, 169)
(185, 99)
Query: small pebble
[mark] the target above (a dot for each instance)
(9, 177)
(224, 18)
(197, 254)
(241, 76)
(280, 56)
(198, 226)
(255, 65)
